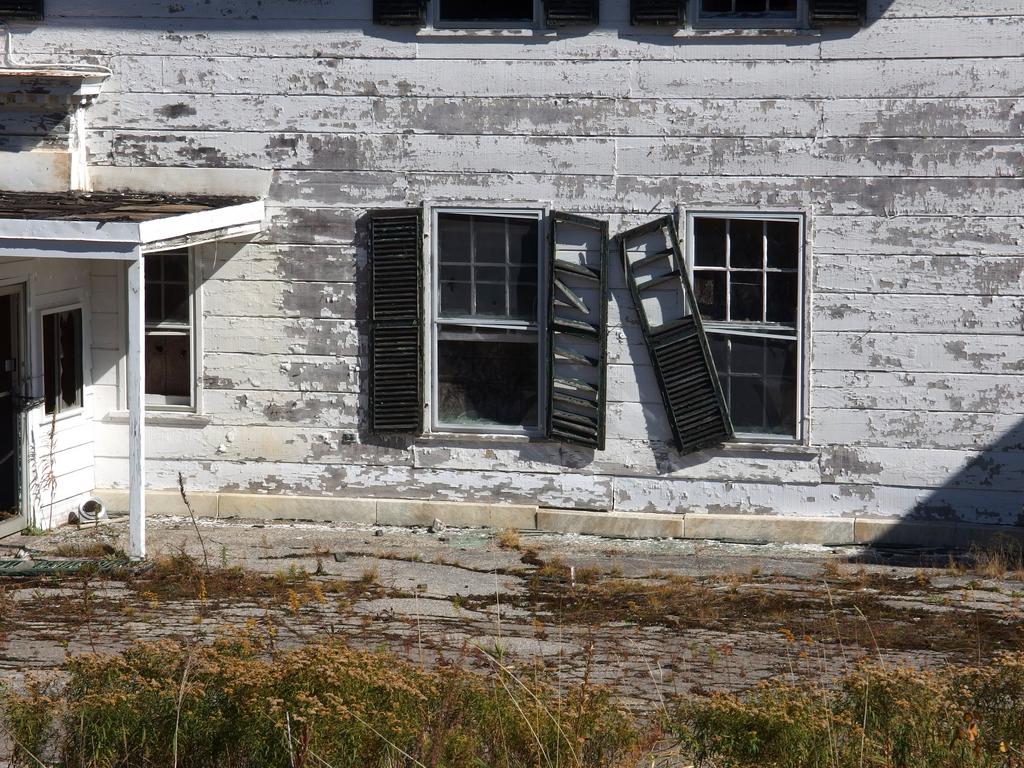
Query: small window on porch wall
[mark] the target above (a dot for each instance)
(169, 329)
(748, 285)
(62, 361)
(488, 322)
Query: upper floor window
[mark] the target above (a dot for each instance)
(753, 13)
(747, 278)
(492, 13)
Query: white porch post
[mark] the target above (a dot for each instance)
(136, 379)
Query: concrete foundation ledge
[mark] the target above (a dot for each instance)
(747, 529)
(764, 529)
(612, 524)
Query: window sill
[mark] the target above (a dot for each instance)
(162, 419)
(747, 32)
(486, 438)
(472, 32)
(743, 445)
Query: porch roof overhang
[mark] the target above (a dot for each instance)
(115, 225)
(125, 227)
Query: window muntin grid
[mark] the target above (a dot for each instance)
(747, 276)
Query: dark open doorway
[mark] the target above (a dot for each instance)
(11, 364)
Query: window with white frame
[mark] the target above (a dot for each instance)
(170, 323)
(487, 321)
(748, 284)
(472, 13)
(754, 13)
(62, 360)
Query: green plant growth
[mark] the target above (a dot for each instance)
(872, 718)
(237, 704)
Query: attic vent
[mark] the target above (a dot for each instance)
(662, 12)
(401, 13)
(838, 11)
(569, 13)
(21, 9)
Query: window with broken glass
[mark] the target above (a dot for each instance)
(487, 321)
(749, 13)
(62, 361)
(747, 277)
(169, 330)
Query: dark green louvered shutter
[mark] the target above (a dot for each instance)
(21, 9)
(672, 327)
(577, 330)
(396, 325)
(826, 12)
(669, 13)
(403, 13)
(570, 13)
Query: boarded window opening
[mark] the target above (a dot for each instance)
(62, 361)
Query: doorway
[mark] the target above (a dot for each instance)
(11, 377)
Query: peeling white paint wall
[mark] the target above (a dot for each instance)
(902, 141)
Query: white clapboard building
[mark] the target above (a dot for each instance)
(742, 269)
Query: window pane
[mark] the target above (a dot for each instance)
(490, 300)
(709, 242)
(750, 6)
(175, 303)
(154, 303)
(786, 6)
(168, 365)
(456, 300)
(709, 289)
(175, 266)
(745, 296)
(716, 6)
(493, 10)
(783, 244)
(454, 233)
(524, 301)
(782, 297)
(759, 380)
(522, 242)
(490, 274)
(746, 243)
(487, 378)
(490, 240)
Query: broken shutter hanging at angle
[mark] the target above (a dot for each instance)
(570, 13)
(396, 332)
(407, 13)
(827, 12)
(21, 9)
(661, 12)
(577, 330)
(672, 327)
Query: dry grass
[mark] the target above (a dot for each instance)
(509, 539)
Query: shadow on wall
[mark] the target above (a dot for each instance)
(334, 15)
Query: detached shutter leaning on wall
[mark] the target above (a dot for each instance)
(660, 284)
(570, 13)
(669, 13)
(396, 322)
(577, 330)
(403, 13)
(21, 9)
(825, 12)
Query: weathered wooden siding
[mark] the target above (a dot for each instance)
(902, 141)
(61, 451)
